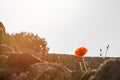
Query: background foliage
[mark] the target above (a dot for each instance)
(24, 42)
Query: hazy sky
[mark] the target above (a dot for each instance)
(67, 24)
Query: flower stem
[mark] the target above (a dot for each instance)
(80, 66)
(84, 64)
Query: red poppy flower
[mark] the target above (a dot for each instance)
(81, 51)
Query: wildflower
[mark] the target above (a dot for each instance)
(81, 51)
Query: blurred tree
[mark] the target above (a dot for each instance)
(24, 42)
(30, 42)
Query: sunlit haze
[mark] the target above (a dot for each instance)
(67, 24)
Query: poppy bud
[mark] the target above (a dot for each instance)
(100, 50)
(107, 46)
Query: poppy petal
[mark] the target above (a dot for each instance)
(81, 51)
